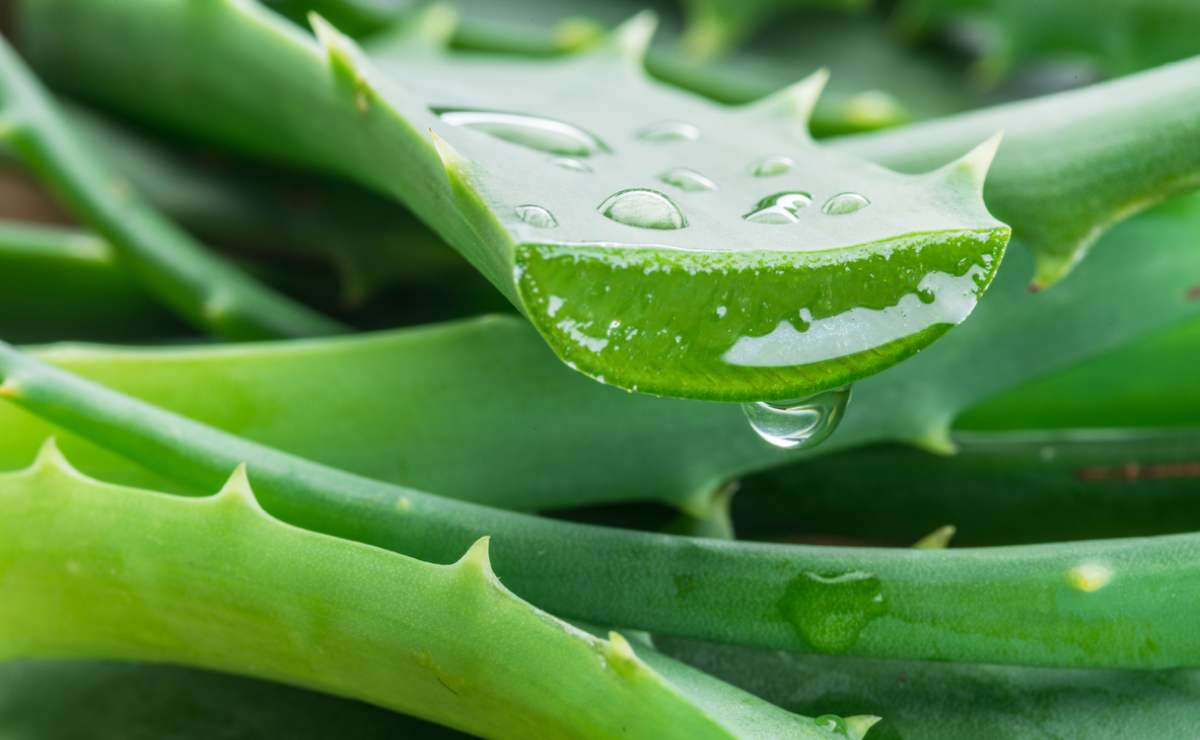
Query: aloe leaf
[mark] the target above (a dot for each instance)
(58, 283)
(369, 241)
(1149, 383)
(201, 288)
(1095, 604)
(288, 604)
(70, 699)
(1074, 163)
(1112, 36)
(714, 26)
(1000, 488)
(420, 384)
(722, 260)
(940, 701)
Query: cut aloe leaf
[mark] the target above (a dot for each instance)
(799, 270)
(549, 440)
(96, 570)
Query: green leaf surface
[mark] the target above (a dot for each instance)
(1096, 604)
(72, 699)
(548, 442)
(96, 570)
(371, 242)
(1000, 488)
(1072, 164)
(59, 283)
(740, 287)
(940, 701)
(1114, 36)
(166, 261)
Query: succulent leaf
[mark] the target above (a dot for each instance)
(1009, 604)
(802, 311)
(200, 287)
(1072, 164)
(951, 701)
(446, 642)
(421, 384)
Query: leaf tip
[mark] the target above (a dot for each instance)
(237, 489)
(435, 24)
(972, 167)
(936, 440)
(858, 725)
(340, 50)
(618, 653)
(631, 39)
(794, 103)
(938, 539)
(453, 162)
(50, 457)
(478, 558)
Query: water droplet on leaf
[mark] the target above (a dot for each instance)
(844, 203)
(570, 163)
(780, 208)
(798, 424)
(648, 209)
(536, 216)
(533, 132)
(772, 166)
(665, 132)
(832, 723)
(830, 612)
(689, 180)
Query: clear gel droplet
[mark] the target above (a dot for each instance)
(844, 203)
(801, 424)
(533, 132)
(536, 216)
(772, 166)
(780, 208)
(665, 132)
(648, 209)
(829, 612)
(689, 180)
(570, 163)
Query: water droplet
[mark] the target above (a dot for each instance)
(536, 216)
(570, 163)
(534, 132)
(665, 132)
(844, 203)
(832, 723)
(780, 208)
(829, 612)
(648, 209)
(689, 180)
(798, 424)
(772, 166)
(926, 296)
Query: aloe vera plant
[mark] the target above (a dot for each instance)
(447, 522)
(929, 239)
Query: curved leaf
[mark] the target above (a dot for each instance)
(758, 309)
(100, 571)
